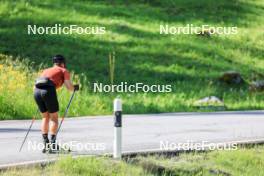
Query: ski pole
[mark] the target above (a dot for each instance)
(66, 111)
(25, 138)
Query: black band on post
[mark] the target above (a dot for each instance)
(118, 119)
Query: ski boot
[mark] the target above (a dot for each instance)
(46, 143)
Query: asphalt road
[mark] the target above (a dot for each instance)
(94, 135)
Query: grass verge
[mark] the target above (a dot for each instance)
(244, 161)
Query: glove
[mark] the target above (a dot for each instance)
(76, 87)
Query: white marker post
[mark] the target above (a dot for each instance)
(117, 153)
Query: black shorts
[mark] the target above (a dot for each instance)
(46, 99)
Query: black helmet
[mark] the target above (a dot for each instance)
(59, 59)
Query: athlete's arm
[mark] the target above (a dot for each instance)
(68, 84)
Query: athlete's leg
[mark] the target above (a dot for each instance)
(45, 123)
(45, 130)
(54, 122)
(52, 104)
(53, 130)
(45, 116)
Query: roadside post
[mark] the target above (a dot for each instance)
(117, 151)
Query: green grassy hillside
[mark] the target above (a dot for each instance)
(190, 63)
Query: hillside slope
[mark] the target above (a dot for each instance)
(190, 63)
